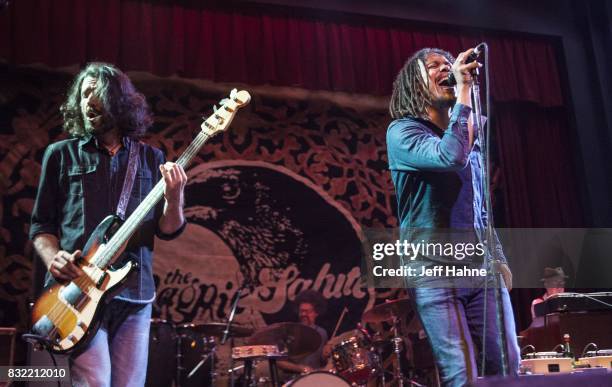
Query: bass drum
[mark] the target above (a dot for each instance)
(318, 379)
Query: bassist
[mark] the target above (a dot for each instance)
(81, 182)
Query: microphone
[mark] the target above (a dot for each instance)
(471, 58)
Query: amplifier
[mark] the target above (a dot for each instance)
(7, 346)
(7, 349)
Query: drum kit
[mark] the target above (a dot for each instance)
(354, 357)
(192, 351)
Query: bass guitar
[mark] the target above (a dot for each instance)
(68, 314)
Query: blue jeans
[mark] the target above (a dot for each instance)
(117, 355)
(453, 321)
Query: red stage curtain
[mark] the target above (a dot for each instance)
(540, 180)
(259, 45)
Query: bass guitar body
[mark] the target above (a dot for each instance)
(67, 314)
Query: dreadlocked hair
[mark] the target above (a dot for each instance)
(411, 95)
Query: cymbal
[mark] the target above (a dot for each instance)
(217, 329)
(344, 336)
(297, 339)
(387, 310)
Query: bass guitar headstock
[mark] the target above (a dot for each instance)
(223, 115)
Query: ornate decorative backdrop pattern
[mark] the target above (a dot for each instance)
(339, 149)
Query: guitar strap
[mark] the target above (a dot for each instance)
(130, 175)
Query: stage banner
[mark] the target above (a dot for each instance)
(275, 205)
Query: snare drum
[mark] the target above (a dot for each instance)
(318, 379)
(355, 360)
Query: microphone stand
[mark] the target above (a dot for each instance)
(228, 326)
(226, 335)
(489, 240)
(230, 319)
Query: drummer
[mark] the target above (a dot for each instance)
(311, 305)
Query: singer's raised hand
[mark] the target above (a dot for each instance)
(463, 71)
(463, 76)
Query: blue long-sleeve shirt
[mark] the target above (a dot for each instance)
(437, 176)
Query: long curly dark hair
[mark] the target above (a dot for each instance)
(411, 95)
(313, 298)
(125, 107)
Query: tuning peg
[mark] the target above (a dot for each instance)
(215, 108)
(233, 93)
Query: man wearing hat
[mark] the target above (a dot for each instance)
(554, 282)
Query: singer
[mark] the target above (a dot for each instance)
(436, 167)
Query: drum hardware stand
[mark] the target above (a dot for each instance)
(249, 363)
(205, 356)
(230, 319)
(250, 381)
(397, 348)
(382, 366)
(179, 360)
(397, 340)
(226, 332)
